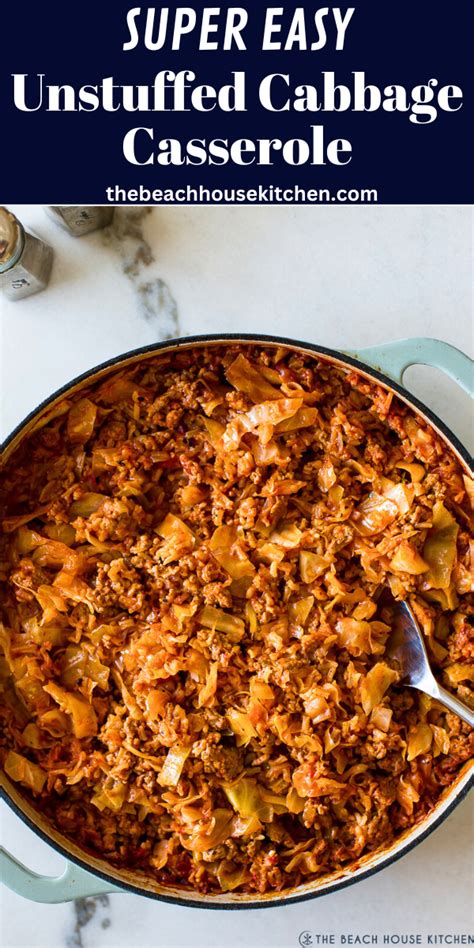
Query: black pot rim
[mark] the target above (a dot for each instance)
(257, 338)
(204, 338)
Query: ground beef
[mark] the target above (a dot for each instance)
(191, 555)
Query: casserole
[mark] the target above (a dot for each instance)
(396, 357)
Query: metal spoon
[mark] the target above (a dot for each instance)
(406, 647)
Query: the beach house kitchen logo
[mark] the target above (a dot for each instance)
(309, 939)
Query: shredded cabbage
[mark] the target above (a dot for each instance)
(326, 475)
(246, 378)
(207, 692)
(439, 550)
(359, 636)
(225, 546)
(375, 684)
(119, 390)
(406, 559)
(231, 876)
(155, 762)
(78, 663)
(381, 717)
(84, 720)
(88, 504)
(441, 741)
(212, 618)
(81, 421)
(378, 511)
(407, 796)
(416, 471)
(21, 770)
(299, 610)
(312, 565)
(161, 853)
(294, 803)
(27, 540)
(55, 555)
(55, 723)
(458, 672)
(179, 539)
(308, 784)
(258, 419)
(420, 739)
(303, 418)
(246, 798)
(241, 726)
(173, 766)
(215, 431)
(209, 835)
(110, 795)
(288, 536)
(316, 706)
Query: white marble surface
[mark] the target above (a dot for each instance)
(344, 277)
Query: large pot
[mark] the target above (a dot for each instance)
(87, 875)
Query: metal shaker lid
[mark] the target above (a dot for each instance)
(12, 238)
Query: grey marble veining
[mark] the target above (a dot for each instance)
(83, 912)
(154, 299)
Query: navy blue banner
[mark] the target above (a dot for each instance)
(363, 103)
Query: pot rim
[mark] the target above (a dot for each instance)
(203, 339)
(453, 794)
(340, 879)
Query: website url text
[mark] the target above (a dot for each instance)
(271, 194)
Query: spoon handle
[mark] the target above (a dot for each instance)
(454, 704)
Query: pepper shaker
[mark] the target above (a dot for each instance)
(25, 260)
(81, 220)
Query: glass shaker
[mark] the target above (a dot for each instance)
(25, 260)
(81, 220)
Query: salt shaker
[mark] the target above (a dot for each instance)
(81, 220)
(25, 260)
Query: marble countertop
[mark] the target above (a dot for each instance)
(341, 276)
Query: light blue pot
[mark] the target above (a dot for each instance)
(85, 876)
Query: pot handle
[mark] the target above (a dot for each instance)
(393, 358)
(74, 883)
